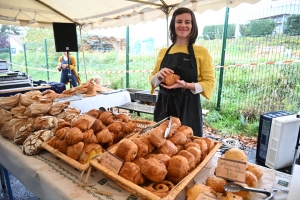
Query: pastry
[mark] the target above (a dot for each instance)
(178, 168)
(203, 147)
(236, 154)
(144, 137)
(190, 158)
(178, 138)
(106, 117)
(115, 127)
(97, 126)
(193, 192)
(231, 196)
(162, 157)
(256, 170)
(89, 151)
(126, 150)
(142, 147)
(82, 124)
(118, 137)
(105, 136)
(216, 183)
(61, 133)
(89, 137)
(154, 170)
(122, 118)
(75, 150)
(132, 172)
(192, 144)
(140, 161)
(188, 131)
(74, 136)
(171, 79)
(61, 145)
(94, 113)
(160, 189)
(128, 127)
(156, 137)
(168, 148)
(196, 152)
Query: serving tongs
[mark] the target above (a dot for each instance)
(149, 128)
(233, 187)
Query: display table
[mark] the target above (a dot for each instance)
(101, 100)
(50, 178)
(13, 91)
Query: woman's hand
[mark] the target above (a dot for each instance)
(64, 65)
(163, 73)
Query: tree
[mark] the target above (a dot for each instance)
(8, 29)
(292, 26)
(3, 41)
(257, 28)
(37, 34)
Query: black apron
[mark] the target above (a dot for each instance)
(174, 102)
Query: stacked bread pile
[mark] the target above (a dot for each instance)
(215, 185)
(87, 89)
(156, 163)
(28, 119)
(80, 142)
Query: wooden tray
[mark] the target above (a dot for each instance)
(145, 194)
(65, 158)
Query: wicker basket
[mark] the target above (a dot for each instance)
(65, 158)
(145, 194)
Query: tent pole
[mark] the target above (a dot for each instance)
(167, 16)
(82, 45)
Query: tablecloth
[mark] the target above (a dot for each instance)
(101, 100)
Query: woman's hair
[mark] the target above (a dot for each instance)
(194, 31)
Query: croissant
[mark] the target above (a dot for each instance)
(126, 150)
(61, 133)
(122, 117)
(105, 136)
(106, 117)
(94, 112)
(171, 79)
(115, 127)
(75, 150)
(61, 145)
(168, 148)
(82, 124)
(119, 136)
(97, 126)
(128, 127)
(62, 125)
(190, 158)
(132, 172)
(89, 137)
(156, 137)
(154, 170)
(74, 136)
(178, 168)
(142, 147)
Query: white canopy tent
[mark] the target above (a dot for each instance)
(99, 14)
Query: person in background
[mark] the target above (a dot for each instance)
(193, 64)
(63, 67)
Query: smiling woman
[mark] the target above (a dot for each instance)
(193, 64)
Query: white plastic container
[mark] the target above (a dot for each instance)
(282, 141)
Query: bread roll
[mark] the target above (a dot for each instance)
(256, 170)
(231, 196)
(154, 170)
(178, 169)
(251, 179)
(193, 192)
(236, 154)
(126, 150)
(132, 172)
(216, 183)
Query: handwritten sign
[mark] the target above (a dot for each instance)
(203, 196)
(111, 162)
(90, 118)
(231, 170)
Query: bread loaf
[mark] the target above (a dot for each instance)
(33, 143)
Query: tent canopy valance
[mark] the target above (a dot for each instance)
(99, 13)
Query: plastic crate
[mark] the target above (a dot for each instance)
(265, 123)
(143, 108)
(282, 142)
(146, 96)
(132, 93)
(129, 106)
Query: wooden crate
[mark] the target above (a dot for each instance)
(83, 167)
(145, 194)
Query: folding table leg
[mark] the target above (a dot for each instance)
(10, 195)
(2, 176)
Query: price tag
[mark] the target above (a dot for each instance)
(91, 119)
(231, 170)
(111, 162)
(203, 196)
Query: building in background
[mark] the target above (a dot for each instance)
(16, 45)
